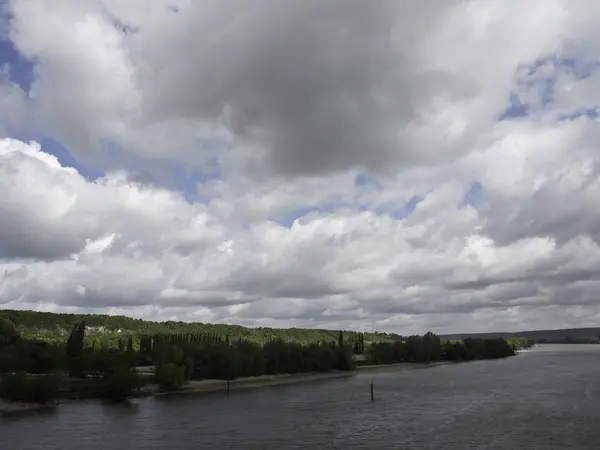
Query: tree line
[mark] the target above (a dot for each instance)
(179, 357)
(430, 347)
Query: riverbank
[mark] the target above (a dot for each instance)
(404, 365)
(207, 386)
(204, 386)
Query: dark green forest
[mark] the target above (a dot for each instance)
(33, 368)
(430, 347)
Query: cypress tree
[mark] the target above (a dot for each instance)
(75, 340)
(130, 344)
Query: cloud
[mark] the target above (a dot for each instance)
(302, 89)
(116, 245)
(326, 164)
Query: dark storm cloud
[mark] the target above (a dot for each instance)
(26, 238)
(532, 275)
(282, 283)
(322, 85)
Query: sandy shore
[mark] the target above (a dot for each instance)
(7, 407)
(404, 366)
(256, 382)
(277, 380)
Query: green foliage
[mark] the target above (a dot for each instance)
(121, 384)
(26, 388)
(104, 330)
(130, 344)
(216, 359)
(183, 351)
(31, 357)
(358, 346)
(430, 348)
(171, 376)
(563, 336)
(8, 332)
(343, 359)
(520, 343)
(75, 340)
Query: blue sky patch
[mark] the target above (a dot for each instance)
(20, 70)
(188, 181)
(516, 109)
(408, 207)
(66, 159)
(364, 179)
(591, 113)
(543, 84)
(62, 154)
(360, 179)
(474, 195)
(402, 210)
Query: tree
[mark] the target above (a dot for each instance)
(121, 384)
(170, 376)
(8, 332)
(23, 388)
(74, 350)
(75, 340)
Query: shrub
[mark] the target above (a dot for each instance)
(8, 332)
(343, 359)
(24, 388)
(122, 384)
(170, 376)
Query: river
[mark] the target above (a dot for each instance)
(547, 398)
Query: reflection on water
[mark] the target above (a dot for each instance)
(548, 398)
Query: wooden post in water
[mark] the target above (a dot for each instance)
(227, 388)
(372, 396)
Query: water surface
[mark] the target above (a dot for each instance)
(548, 398)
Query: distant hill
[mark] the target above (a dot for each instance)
(567, 335)
(105, 329)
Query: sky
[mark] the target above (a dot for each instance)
(385, 165)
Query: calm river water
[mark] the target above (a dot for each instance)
(548, 398)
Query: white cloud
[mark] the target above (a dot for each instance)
(293, 105)
(147, 249)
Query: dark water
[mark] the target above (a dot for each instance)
(548, 398)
